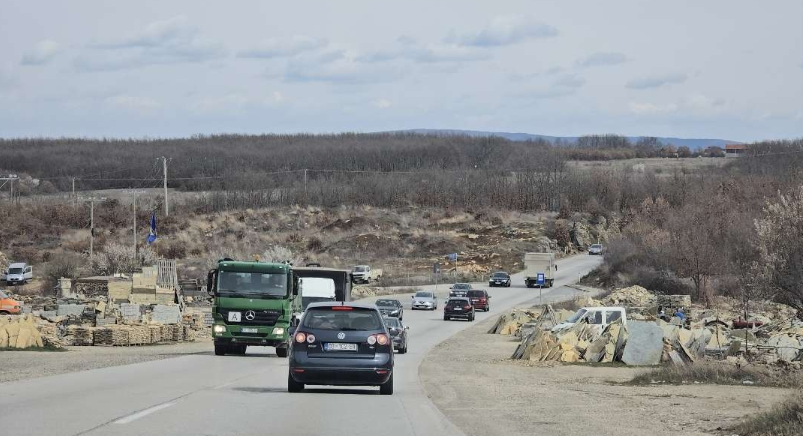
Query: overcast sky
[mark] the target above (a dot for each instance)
(714, 69)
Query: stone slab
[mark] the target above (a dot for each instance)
(166, 314)
(645, 344)
(71, 309)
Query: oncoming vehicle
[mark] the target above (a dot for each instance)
(389, 307)
(8, 306)
(341, 345)
(458, 307)
(398, 334)
(425, 300)
(499, 278)
(595, 249)
(459, 289)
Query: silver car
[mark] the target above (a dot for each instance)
(595, 249)
(425, 300)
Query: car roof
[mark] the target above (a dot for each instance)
(328, 304)
(603, 308)
(459, 298)
(17, 265)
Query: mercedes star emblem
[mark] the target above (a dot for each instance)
(250, 315)
(341, 335)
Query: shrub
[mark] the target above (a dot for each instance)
(119, 258)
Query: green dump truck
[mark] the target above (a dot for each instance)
(255, 303)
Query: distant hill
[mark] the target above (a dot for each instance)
(692, 143)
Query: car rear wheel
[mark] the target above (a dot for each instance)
(403, 350)
(292, 385)
(387, 388)
(445, 318)
(281, 351)
(471, 318)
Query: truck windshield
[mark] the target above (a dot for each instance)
(252, 284)
(3, 295)
(577, 315)
(360, 269)
(15, 270)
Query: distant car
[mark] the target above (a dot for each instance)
(398, 334)
(389, 307)
(595, 249)
(461, 286)
(480, 299)
(458, 307)
(425, 300)
(18, 274)
(500, 278)
(458, 293)
(341, 345)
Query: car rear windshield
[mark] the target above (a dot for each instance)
(457, 302)
(353, 319)
(476, 293)
(461, 286)
(386, 303)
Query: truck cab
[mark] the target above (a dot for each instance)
(254, 304)
(8, 305)
(600, 316)
(18, 273)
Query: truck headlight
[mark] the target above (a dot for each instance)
(278, 331)
(219, 329)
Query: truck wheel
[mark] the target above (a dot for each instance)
(387, 388)
(281, 351)
(240, 350)
(221, 349)
(292, 385)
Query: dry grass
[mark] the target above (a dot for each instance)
(785, 419)
(721, 374)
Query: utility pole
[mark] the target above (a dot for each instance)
(164, 166)
(305, 184)
(74, 198)
(136, 248)
(91, 226)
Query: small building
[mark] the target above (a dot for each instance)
(735, 150)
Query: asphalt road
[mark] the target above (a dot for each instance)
(246, 395)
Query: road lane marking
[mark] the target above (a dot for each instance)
(143, 413)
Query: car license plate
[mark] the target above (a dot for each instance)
(498, 283)
(337, 346)
(235, 316)
(458, 309)
(249, 330)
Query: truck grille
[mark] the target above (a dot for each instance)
(261, 317)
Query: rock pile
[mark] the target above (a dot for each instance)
(19, 332)
(633, 296)
(580, 343)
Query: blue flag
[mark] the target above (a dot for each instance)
(152, 234)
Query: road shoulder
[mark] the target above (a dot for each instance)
(470, 380)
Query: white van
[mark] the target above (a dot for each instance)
(18, 274)
(601, 316)
(316, 289)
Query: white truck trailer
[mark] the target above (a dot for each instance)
(539, 263)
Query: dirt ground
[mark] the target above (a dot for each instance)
(20, 365)
(470, 380)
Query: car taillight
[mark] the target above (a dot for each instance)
(301, 337)
(483, 299)
(310, 338)
(468, 306)
(381, 339)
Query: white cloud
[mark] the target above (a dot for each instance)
(133, 103)
(407, 48)
(172, 41)
(337, 66)
(283, 47)
(570, 81)
(505, 30)
(237, 102)
(651, 108)
(382, 103)
(278, 97)
(42, 53)
(602, 59)
(658, 81)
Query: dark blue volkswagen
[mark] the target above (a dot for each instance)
(341, 344)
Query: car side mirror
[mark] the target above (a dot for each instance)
(406, 328)
(210, 282)
(413, 297)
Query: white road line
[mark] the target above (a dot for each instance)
(225, 385)
(143, 413)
